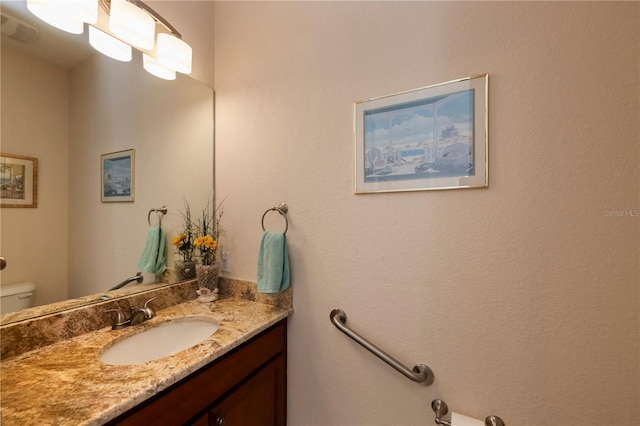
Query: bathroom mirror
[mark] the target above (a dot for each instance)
(68, 106)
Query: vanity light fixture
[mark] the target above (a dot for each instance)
(68, 15)
(131, 23)
(109, 45)
(154, 67)
(129, 20)
(173, 53)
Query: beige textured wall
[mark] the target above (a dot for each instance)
(35, 117)
(523, 298)
(170, 125)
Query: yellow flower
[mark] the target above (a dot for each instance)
(177, 241)
(211, 243)
(206, 242)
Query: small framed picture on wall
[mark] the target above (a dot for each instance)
(18, 181)
(118, 177)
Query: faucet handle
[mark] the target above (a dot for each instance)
(148, 312)
(138, 316)
(147, 302)
(120, 321)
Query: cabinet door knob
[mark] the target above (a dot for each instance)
(219, 421)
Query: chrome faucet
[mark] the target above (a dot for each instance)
(135, 317)
(143, 314)
(120, 320)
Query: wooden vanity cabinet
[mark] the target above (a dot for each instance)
(246, 387)
(252, 403)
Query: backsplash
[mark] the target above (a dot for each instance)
(23, 336)
(238, 289)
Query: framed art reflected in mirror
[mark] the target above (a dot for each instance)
(18, 181)
(118, 176)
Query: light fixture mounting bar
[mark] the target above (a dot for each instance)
(106, 4)
(157, 17)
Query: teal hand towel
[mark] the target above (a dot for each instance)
(153, 259)
(273, 263)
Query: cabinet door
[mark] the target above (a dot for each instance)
(260, 401)
(203, 420)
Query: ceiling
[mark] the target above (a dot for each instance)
(51, 44)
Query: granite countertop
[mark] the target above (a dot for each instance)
(66, 384)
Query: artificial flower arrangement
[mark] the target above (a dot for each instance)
(200, 237)
(184, 242)
(206, 247)
(208, 233)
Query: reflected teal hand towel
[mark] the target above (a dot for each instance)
(153, 259)
(273, 263)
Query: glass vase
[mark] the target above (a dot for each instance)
(207, 276)
(185, 270)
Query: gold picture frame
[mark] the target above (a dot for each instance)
(18, 181)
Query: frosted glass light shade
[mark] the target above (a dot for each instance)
(174, 53)
(132, 24)
(109, 45)
(154, 67)
(86, 10)
(67, 15)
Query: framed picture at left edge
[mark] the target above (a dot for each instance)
(18, 181)
(118, 176)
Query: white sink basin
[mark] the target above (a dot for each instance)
(158, 342)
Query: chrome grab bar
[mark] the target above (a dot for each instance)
(137, 277)
(420, 372)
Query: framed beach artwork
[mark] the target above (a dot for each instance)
(435, 137)
(118, 176)
(18, 181)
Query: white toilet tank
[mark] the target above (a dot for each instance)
(16, 297)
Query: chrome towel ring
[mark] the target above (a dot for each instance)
(281, 208)
(162, 210)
